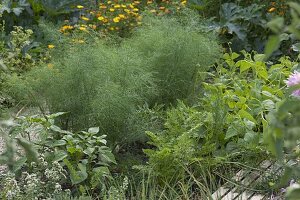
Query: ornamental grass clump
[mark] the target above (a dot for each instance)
(175, 53)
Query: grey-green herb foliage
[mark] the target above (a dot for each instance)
(102, 85)
(175, 54)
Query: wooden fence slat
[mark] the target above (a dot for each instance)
(228, 192)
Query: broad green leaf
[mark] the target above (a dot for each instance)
(296, 47)
(246, 115)
(234, 55)
(55, 128)
(231, 132)
(268, 104)
(108, 157)
(93, 130)
(272, 45)
(244, 65)
(54, 115)
(59, 143)
(89, 151)
(259, 57)
(261, 70)
(31, 153)
(76, 176)
(251, 137)
(276, 25)
(60, 155)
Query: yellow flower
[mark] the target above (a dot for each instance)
(139, 18)
(111, 10)
(122, 16)
(66, 27)
(131, 6)
(117, 6)
(135, 9)
(50, 66)
(272, 9)
(80, 41)
(93, 26)
(127, 11)
(82, 28)
(85, 18)
(100, 18)
(50, 46)
(111, 28)
(116, 19)
(153, 11)
(80, 6)
(123, 6)
(109, 2)
(103, 6)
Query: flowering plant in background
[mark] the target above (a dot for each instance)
(120, 16)
(278, 7)
(294, 79)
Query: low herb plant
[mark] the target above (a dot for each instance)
(83, 155)
(39, 179)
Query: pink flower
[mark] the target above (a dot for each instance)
(294, 79)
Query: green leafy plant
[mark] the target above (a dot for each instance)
(249, 90)
(87, 156)
(84, 154)
(236, 22)
(177, 144)
(282, 135)
(229, 120)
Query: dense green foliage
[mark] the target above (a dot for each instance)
(133, 100)
(175, 54)
(101, 85)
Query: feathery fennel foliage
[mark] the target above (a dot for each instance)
(175, 53)
(102, 85)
